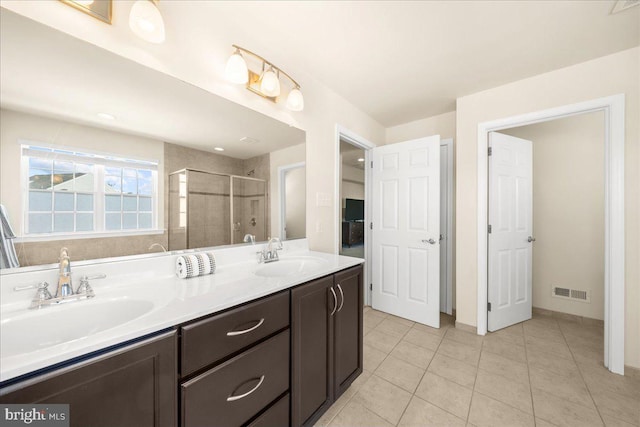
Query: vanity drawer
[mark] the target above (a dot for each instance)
(276, 416)
(233, 392)
(210, 340)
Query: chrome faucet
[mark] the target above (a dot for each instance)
(64, 292)
(270, 252)
(153, 245)
(249, 238)
(64, 276)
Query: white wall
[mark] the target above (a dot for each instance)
(286, 156)
(442, 124)
(197, 54)
(609, 75)
(568, 211)
(18, 126)
(296, 215)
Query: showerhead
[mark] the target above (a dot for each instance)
(251, 172)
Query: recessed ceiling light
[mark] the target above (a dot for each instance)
(361, 159)
(219, 149)
(106, 116)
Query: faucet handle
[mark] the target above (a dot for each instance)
(42, 294)
(85, 287)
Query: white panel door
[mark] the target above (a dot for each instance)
(511, 225)
(406, 227)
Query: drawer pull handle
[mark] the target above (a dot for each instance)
(335, 301)
(244, 331)
(341, 297)
(241, 396)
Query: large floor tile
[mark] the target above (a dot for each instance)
(355, 414)
(569, 388)
(414, 354)
(600, 379)
(463, 337)
(510, 369)
(538, 331)
(372, 320)
(562, 412)
(560, 349)
(400, 373)
(401, 320)
(372, 357)
(333, 410)
(510, 392)
(383, 398)
(514, 336)
(610, 421)
(616, 405)
(423, 339)
(489, 412)
(420, 413)
(454, 370)
(459, 351)
(550, 362)
(445, 394)
(505, 348)
(381, 341)
(392, 327)
(435, 331)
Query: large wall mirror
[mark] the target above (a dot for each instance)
(110, 158)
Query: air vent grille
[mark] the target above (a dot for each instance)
(572, 294)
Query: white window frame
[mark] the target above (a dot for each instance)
(101, 160)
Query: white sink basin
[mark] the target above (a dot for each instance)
(290, 266)
(39, 329)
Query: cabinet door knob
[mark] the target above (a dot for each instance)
(341, 297)
(244, 331)
(241, 396)
(335, 301)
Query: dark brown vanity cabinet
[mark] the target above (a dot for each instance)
(132, 386)
(326, 344)
(235, 366)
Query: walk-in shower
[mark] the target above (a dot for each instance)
(212, 209)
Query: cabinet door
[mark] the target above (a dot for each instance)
(312, 350)
(133, 386)
(348, 329)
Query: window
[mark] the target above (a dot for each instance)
(71, 192)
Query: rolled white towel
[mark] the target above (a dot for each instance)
(194, 265)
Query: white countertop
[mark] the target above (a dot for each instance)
(175, 300)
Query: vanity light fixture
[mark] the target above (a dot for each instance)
(266, 83)
(145, 20)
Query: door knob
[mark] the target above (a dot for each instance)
(531, 239)
(430, 241)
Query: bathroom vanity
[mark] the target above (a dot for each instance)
(277, 359)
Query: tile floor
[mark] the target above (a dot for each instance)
(541, 372)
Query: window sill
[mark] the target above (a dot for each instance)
(76, 236)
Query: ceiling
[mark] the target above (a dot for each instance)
(400, 61)
(46, 72)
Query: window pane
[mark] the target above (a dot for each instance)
(112, 221)
(130, 203)
(130, 173)
(62, 222)
(63, 202)
(129, 221)
(40, 171)
(63, 175)
(144, 220)
(145, 182)
(84, 202)
(144, 204)
(129, 185)
(84, 178)
(39, 201)
(113, 203)
(84, 222)
(113, 180)
(39, 223)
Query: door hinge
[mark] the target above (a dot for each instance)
(490, 151)
(370, 286)
(371, 164)
(370, 226)
(488, 306)
(489, 228)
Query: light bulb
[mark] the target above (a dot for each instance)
(295, 101)
(236, 70)
(270, 85)
(85, 2)
(146, 21)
